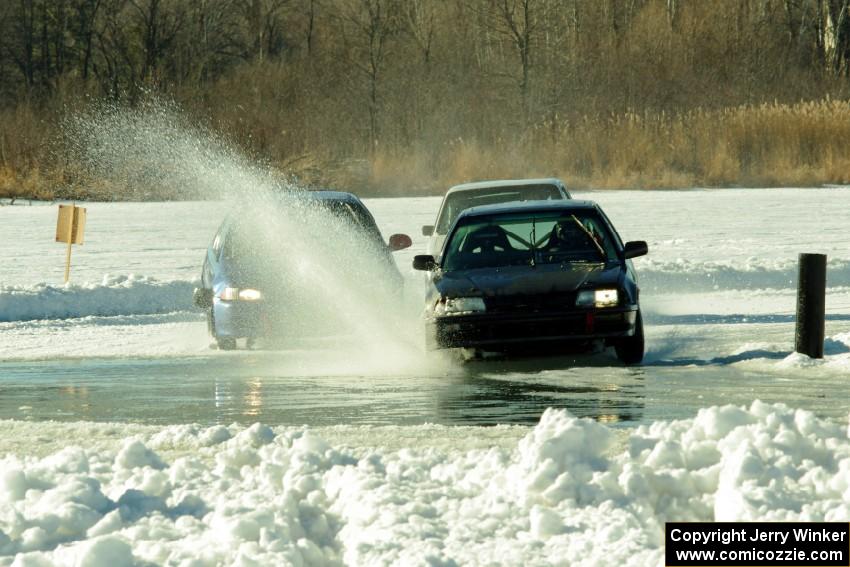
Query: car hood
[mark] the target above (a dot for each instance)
(528, 280)
(235, 275)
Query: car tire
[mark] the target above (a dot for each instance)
(211, 322)
(630, 350)
(223, 343)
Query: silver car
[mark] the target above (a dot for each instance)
(462, 197)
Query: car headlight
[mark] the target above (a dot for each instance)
(234, 293)
(597, 298)
(460, 306)
(249, 295)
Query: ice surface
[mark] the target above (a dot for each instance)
(568, 489)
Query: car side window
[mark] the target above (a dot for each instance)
(446, 213)
(618, 241)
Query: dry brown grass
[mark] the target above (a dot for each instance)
(766, 145)
(22, 150)
(31, 185)
(801, 144)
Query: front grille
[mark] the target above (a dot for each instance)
(573, 325)
(540, 303)
(494, 330)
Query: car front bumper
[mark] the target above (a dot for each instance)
(507, 330)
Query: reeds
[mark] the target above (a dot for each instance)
(802, 144)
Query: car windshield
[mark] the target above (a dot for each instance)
(348, 213)
(458, 202)
(355, 217)
(529, 239)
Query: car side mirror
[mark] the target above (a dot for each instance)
(635, 248)
(424, 262)
(428, 230)
(202, 298)
(400, 242)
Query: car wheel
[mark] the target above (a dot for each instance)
(224, 343)
(630, 350)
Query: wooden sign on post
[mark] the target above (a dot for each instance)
(69, 228)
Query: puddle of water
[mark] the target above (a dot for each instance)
(252, 387)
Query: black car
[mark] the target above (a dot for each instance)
(541, 273)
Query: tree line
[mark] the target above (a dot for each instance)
(407, 95)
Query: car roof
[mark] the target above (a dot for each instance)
(527, 206)
(504, 183)
(321, 195)
(329, 195)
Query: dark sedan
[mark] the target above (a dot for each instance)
(540, 273)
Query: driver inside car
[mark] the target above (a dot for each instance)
(567, 236)
(487, 240)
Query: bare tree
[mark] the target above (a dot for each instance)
(519, 22)
(21, 47)
(421, 20)
(262, 17)
(87, 12)
(309, 34)
(836, 30)
(212, 40)
(158, 23)
(672, 13)
(368, 26)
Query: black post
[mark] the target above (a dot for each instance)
(811, 305)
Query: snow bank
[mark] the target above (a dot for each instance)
(121, 295)
(254, 496)
(680, 274)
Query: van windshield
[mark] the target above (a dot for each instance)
(529, 239)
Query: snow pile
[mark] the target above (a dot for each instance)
(836, 357)
(115, 295)
(796, 361)
(259, 497)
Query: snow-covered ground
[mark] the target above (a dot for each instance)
(718, 290)
(569, 491)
